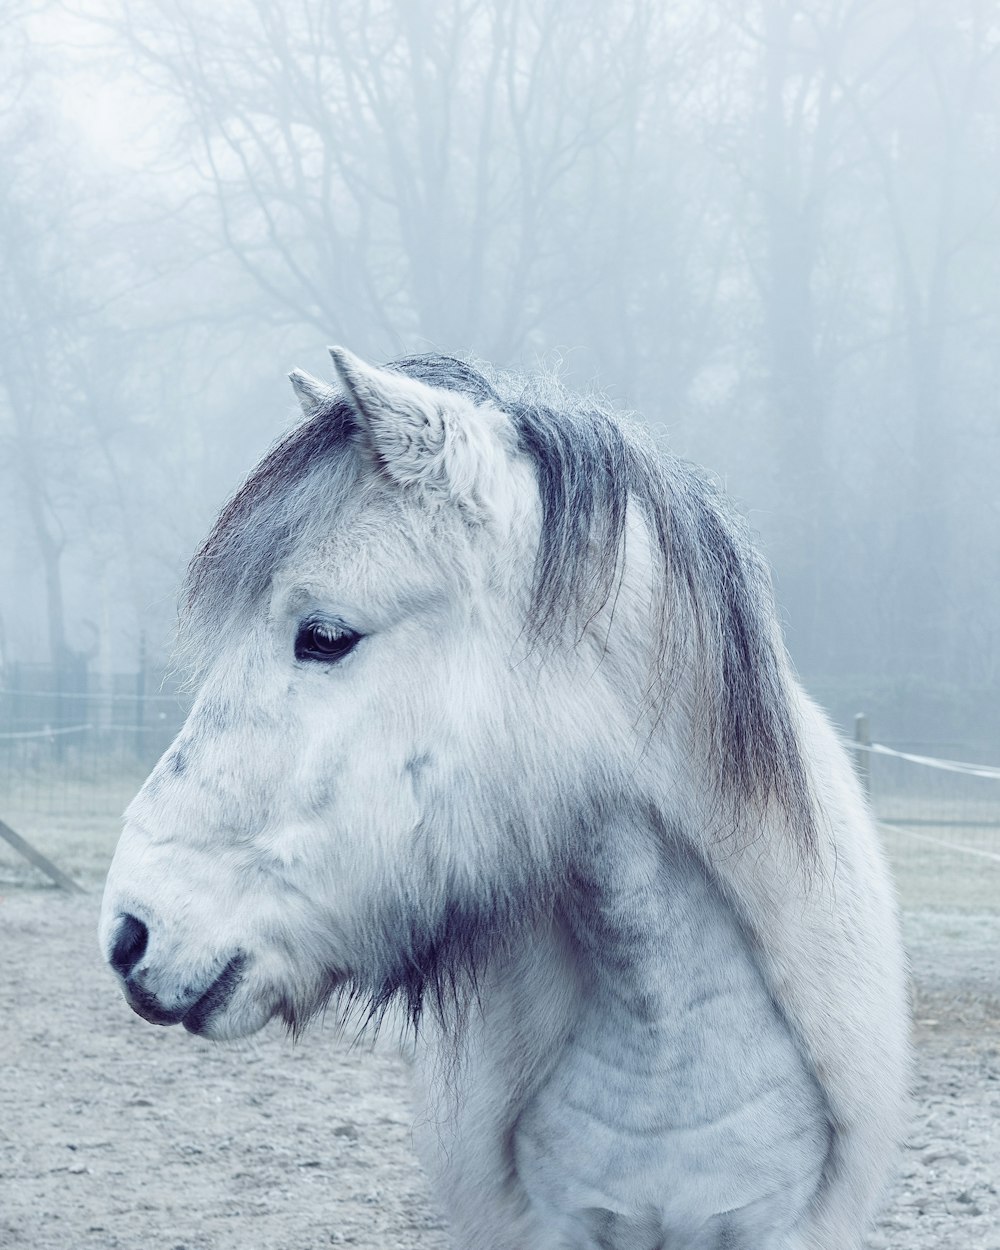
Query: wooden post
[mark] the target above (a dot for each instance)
(39, 860)
(862, 757)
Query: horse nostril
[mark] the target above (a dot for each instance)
(130, 945)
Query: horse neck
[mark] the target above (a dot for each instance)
(633, 892)
(633, 944)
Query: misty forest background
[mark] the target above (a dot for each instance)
(771, 228)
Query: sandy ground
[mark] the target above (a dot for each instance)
(117, 1134)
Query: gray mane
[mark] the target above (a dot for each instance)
(714, 604)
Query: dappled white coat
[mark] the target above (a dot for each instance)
(687, 1028)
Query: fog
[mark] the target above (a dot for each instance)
(769, 228)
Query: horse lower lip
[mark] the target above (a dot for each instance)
(215, 997)
(145, 1005)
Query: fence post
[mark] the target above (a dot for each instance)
(862, 757)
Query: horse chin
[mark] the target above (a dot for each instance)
(240, 1017)
(245, 1006)
(235, 1005)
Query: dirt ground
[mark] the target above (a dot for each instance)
(117, 1134)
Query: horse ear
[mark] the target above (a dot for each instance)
(312, 394)
(419, 434)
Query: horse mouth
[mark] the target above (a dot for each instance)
(216, 997)
(198, 1015)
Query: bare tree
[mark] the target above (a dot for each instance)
(413, 173)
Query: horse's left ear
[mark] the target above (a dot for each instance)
(313, 395)
(420, 434)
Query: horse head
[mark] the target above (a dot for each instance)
(387, 756)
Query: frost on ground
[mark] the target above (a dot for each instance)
(947, 1192)
(117, 1134)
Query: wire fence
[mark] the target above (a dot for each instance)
(940, 824)
(72, 755)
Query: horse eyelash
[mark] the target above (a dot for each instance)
(333, 633)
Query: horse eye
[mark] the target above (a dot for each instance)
(319, 640)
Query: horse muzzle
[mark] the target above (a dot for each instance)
(193, 1005)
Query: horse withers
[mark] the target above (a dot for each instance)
(494, 723)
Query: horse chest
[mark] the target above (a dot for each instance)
(680, 1104)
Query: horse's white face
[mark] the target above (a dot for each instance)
(350, 785)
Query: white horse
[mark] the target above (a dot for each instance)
(494, 722)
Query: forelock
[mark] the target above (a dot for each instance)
(261, 524)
